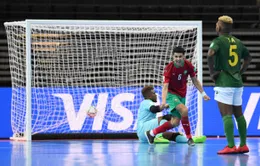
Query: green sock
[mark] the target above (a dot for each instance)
(241, 123)
(229, 130)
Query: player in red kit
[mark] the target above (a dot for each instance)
(174, 93)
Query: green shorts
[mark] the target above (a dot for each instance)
(173, 100)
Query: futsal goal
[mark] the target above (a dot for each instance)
(61, 69)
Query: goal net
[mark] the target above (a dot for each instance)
(72, 66)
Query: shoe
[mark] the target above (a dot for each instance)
(228, 150)
(243, 149)
(191, 142)
(199, 139)
(160, 140)
(149, 138)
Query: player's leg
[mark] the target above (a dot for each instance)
(173, 122)
(162, 128)
(183, 110)
(167, 125)
(176, 137)
(224, 97)
(167, 117)
(173, 136)
(180, 110)
(226, 113)
(174, 101)
(241, 122)
(174, 119)
(159, 139)
(147, 126)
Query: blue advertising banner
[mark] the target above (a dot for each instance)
(121, 110)
(5, 118)
(212, 121)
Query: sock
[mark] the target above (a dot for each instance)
(172, 136)
(164, 127)
(229, 130)
(151, 133)
(161, 123)
(186, 126)
(241, 123)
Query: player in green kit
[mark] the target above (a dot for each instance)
(224, 61)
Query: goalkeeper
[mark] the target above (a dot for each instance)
(174, 92)
(146, 119)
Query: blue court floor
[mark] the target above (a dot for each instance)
(123, 153)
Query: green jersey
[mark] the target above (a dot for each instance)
(228, 54)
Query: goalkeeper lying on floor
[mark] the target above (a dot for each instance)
(146, 120)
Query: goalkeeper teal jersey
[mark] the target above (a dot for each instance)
(144, 113)
(228, 54)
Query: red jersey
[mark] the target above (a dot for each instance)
(177, 77)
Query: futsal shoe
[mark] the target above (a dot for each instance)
(243, 149)
(228, 150)
(199, 139)
(149, 138)
(191, 142)
(160, 140)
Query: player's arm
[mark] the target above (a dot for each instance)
(198, 85)
(247, 59)
(213, 74)
(211, 53)
(166, 80)
(164, 92)
(210, 58)
(192, 72)
(158, 108)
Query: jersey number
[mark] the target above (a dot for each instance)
(179, 76)
(233, 54)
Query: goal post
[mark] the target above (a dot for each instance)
(62, 68)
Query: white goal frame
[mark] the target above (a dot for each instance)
(30, 22)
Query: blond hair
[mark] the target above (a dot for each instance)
(226, 19)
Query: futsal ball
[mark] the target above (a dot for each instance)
(92, 111)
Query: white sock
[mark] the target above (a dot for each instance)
(151, 133)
